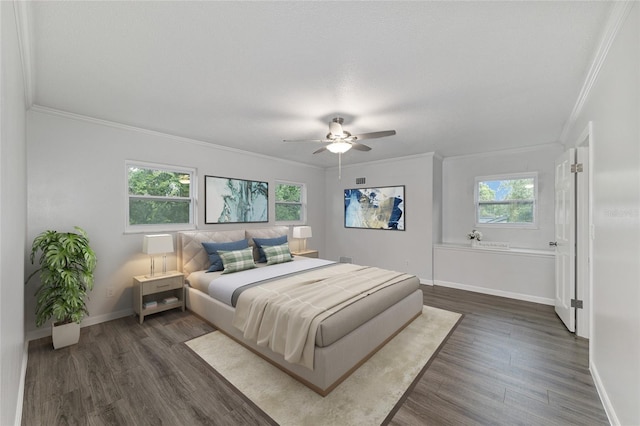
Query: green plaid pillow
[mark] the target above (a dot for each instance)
(237, 260)
(277, 254)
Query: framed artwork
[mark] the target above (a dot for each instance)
(374, 208)
(228, 200)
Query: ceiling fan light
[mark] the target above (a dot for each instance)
(339, 147)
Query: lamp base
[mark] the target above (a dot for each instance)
(152, 272)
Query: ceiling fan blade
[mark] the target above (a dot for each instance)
(317, 151)
(360, 147)
(307, 140)
(374, 135)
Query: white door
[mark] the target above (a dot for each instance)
(565, 240)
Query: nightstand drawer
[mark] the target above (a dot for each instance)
(158, 285)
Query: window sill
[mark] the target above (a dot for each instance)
(511, 251)
(154, 229)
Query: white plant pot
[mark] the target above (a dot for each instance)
(65, 335)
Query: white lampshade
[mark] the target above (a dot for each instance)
(302, 232)
(339, 147)
(157, 244)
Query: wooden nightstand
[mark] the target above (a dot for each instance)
(154, 289)
(306, 253)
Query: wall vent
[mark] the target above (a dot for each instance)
(360, 181)
(346, 260)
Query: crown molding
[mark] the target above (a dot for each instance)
(619, 13)
(531, 148)
(385, 160)
(24, 46)
(181, 139)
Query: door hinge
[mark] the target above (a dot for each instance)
(576, 304)
(576, 168)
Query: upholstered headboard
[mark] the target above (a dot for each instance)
(193, 257)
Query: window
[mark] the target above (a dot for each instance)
(507, 200)
(290, 202)
(159, 197)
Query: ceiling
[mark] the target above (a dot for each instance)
(451, 77)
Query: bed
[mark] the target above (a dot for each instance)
(339, 342)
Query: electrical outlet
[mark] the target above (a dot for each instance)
(109, 291)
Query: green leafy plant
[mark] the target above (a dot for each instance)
(66, 270)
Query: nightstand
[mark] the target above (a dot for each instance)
(147, 290)
(306, 253)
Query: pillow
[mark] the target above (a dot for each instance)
(213, 248)
(278, 254)
(267, 242)
(237, 260)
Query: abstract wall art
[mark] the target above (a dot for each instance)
(375, 208)
(230, 200)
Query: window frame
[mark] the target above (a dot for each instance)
(509, 176)
(302, 203)
(163, 227)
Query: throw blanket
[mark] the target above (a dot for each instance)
(284, 315)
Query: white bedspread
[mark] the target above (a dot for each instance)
(223, 287)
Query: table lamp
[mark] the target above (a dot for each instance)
(157, 244)
(302, 232)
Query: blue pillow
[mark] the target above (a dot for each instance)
(214, 257)
(262, 258)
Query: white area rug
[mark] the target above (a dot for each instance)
(365, 398)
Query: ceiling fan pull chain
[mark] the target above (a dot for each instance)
(339, 166)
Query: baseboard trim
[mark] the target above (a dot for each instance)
(495, 292)
(604, 397)
(46, 330)
(21, 386)
(424, 281)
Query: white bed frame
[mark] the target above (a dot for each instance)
(333, 363)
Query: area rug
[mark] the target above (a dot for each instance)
(364, 398)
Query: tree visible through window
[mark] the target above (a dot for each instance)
(290, 199)
(507, 200)
(159, 195)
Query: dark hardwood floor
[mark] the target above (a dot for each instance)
(508, 362)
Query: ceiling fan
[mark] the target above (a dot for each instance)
(340, 141)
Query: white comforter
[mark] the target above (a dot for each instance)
(284, 315)
(221, 287)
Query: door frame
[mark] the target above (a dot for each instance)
(584, 233)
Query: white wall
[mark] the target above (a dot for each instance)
(613, 105)
(495, 272)
(437, 199)
(516, 273)
(77, 177)
(13, 212)
(405, 251)
(459, 175)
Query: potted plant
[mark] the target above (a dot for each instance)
(474, 236)
(66, 270)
